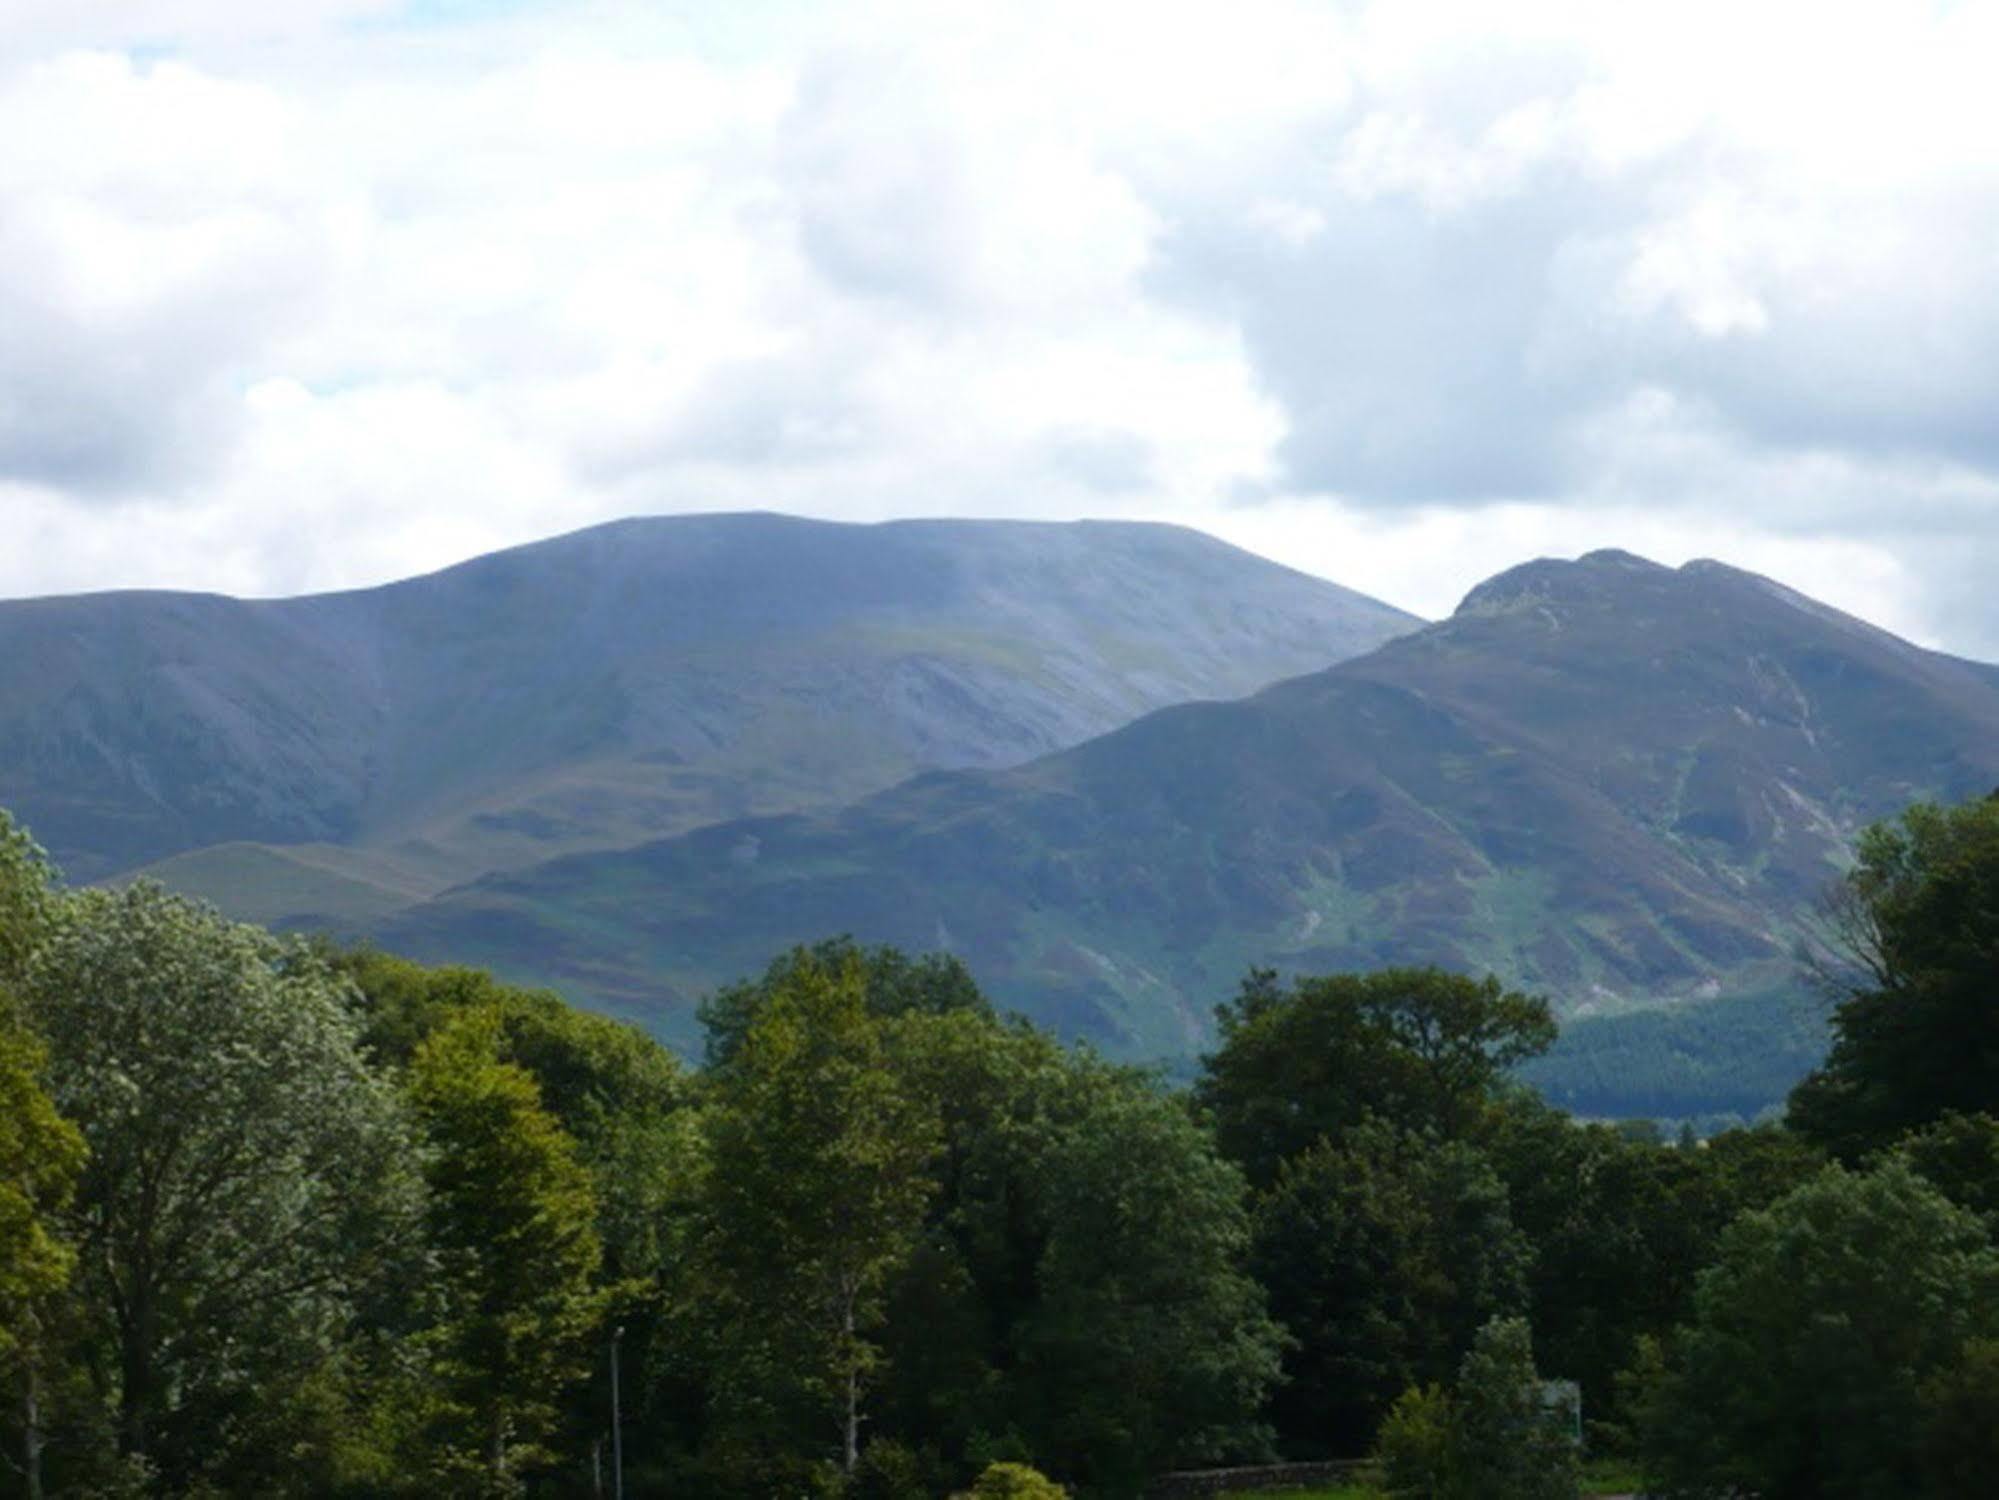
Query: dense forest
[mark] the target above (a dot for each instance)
(285, 1218)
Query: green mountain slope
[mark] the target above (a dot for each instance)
(1614, 782)
(610, 686)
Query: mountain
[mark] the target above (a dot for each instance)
(339, 756)
(1614, 782)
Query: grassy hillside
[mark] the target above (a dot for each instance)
(1613, 782)
(619, 684)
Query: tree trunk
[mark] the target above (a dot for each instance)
(135, 1395)
(851, 1457)
(496, 1452)
(31, 1419)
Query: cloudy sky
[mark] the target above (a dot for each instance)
(304, 295)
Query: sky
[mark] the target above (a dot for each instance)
(320, 294)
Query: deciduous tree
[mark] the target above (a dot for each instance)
(821, 1168)
(1422, 1048)
(247, 1174)
(513, 1223)
(1801, 1375)
(1916, 1032)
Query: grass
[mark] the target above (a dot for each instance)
(1603, 1476)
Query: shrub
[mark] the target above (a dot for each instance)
(1511, 1445)
(1414, 1450)
(1495, 1439)
(1016, 1482)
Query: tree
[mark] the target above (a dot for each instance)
(1621, 1227)
(247, 1175)
(1496, 1437)
(1801, 1375)
(1419, 1047)
(1383, 1254)
(1147, 1345)
(30, 899)
(1079, 1296)
(1511, 1444)
(40, 1156)
(1959, 1155)
(821, 1170)
(893, 983)
(613, 1089)
(1914, 960)
(1960, 1425)
(513, 1222)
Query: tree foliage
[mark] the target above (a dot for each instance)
(1916, 1034)
(512, 1220)
(892, 984)
(1383, 1255)
(820, 1173)
(1802, 1371)
(1420, 1047)
(1496, 1436)
(40, 1156)
(30, 899)
(1512, 1443)
(247, 1174)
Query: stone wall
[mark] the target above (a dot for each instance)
(1189, 1483)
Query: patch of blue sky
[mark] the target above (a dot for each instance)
(727, 31)
(461, 12)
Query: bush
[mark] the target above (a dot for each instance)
(893, 1471)
(1496, 1439)
(1511, 1445)
(1414, 1450)
(1016, 1482)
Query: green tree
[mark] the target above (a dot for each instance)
(1813, 1336)
(246, 1180)
(1495, 1437)
(1621, 1227)
(615, 1091)
(1916, 949)
(1960, 1425)
(1511, 1444)
(893, 983)
(40, 1156)
(1959, 1155)
(820, 1171)
(1147, 1344)
(30, 899)
(1419, 1047)
(629, 1106)
(1383, 1255)
(1079, 1295)
(513, 1223)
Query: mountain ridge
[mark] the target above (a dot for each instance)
(1629, 789)
(615, 683)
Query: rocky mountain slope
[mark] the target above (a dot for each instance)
(1614, 782)
(338, 756)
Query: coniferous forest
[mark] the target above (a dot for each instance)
(283, 1217)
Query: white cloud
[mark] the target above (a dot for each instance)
(315, 294)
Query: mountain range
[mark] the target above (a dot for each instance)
(1112, 766)
(1617, 783)
(328, 760)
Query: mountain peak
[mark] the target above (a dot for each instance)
(1550, 580)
